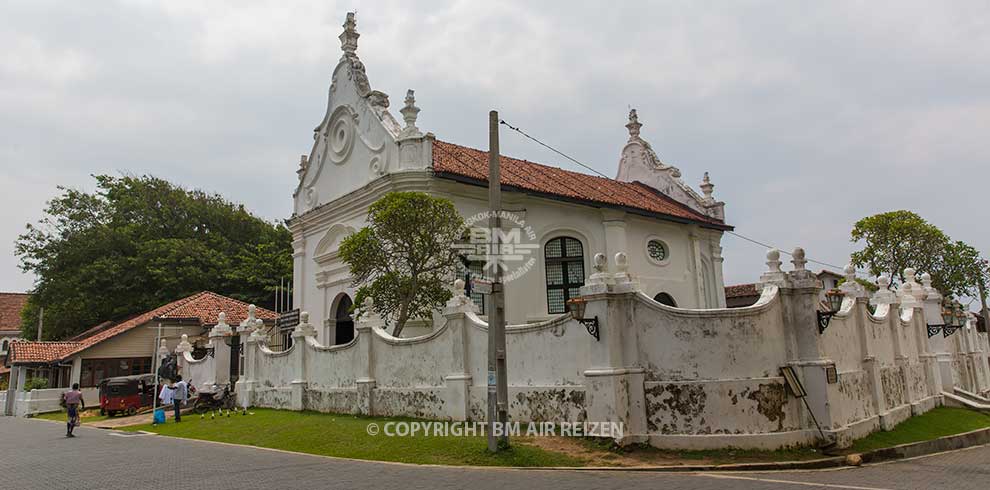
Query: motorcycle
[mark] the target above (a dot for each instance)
(209, 401)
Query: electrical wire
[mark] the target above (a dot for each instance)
(757, 242)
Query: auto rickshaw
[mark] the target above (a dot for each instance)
(126, 394)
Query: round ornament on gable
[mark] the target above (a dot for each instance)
(657, 251)
(340, 135)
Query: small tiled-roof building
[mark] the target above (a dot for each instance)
(127, 347)
(11, 305)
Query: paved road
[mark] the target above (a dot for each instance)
(35, 455)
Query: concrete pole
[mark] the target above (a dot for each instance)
(41, 321)
(498, 394)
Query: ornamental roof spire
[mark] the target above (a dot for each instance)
(349, 38)
(707, 187)
(633, 124)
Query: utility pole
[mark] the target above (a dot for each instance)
(498, 392)
(41, 321)
(983, 304)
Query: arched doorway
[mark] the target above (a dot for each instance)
(665, 299)
(344, 324)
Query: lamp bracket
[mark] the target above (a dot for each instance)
(591, 324)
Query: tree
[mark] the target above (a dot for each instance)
(961, 270)
(900, 239)
(139, 242)
(405, 256)
(895, 241)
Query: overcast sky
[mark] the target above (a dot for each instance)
(809, 115)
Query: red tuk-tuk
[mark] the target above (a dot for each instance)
(126, 394)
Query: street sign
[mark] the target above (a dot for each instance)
(287, 319)
(481, 286)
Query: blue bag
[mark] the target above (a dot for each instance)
(159, 416)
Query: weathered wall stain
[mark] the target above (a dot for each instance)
(770, 400)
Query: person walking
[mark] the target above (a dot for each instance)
(72, 400)
(180, 392)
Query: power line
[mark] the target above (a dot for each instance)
(502, 121)
(516, 129)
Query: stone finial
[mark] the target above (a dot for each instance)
(633, 124)
(349, 38)
(883, 295)
(304, 328)
(258, 332)
(798, 259)
(773, 260)
(621, 262)
(410, 111)
(909, 274)
(707, 187)
(850, 287)
(600, 262)
(221, 328)
(303, 166)
(184, 345)
(252, 314)
(883, 281)
(849, 271)
(459, 286)
(926, 280)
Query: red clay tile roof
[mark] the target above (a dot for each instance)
(741, 291)
(463, 163)
(204, 306)
(11, 305)
(23, 352)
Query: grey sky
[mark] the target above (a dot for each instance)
(809, 115)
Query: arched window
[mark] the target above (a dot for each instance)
(5, 345)
(345, 323)
(665, 299)
(564, 258)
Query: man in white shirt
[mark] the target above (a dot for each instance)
(180, 392)
(166, 396)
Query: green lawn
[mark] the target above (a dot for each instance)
(942, 421)
(347, 436)
(92, 415)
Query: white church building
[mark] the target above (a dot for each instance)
(671, 233)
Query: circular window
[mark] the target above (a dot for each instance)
(657, 251)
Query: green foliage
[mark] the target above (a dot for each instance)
(35, 384)
(897, 240)
(405, 256)
(139, 242)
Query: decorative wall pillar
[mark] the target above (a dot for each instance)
(614, 225)
(799, 292)
(219, 336)
(251, 333)
(181, 362)
(300, 336)
(365, 362)
(937, 343)
(614, 382)
(458, 381)
(298, 270)
(931, 315)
